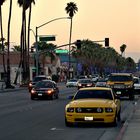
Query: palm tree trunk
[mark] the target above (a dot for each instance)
(2, 40)
(21, 55)
(28, 61)
(8, 85)
(70, 47)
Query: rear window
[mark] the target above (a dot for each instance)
(72, 80)
(36, 79)
(101, 94)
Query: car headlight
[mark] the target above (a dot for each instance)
(99, 110)
(108, 110)
(70, 109)
(30, 85)
(78, 110)
(33, 91)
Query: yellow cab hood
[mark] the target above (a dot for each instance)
(92, 103)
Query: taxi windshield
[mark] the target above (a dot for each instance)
(101, 94)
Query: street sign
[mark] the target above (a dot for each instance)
(61, 51)
(46, 38)
(33, 69)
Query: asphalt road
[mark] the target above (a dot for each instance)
(24, 119)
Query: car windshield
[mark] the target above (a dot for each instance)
(101, 94)
(44, 84)
(85, 81)
(136, 81)
(36, 79)
(120, 78)
(72, 80)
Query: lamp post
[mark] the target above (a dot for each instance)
(36, 37)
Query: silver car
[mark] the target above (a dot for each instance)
(72, 83)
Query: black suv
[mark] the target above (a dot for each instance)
(122, 84)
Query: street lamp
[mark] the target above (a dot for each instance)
(36, 36)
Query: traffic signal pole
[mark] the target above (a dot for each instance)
(36, 38)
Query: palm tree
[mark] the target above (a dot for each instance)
(25, 4)
(28, 40)
(122, 48)
(47, 51)
(71, 9)
(130, 65)
(16, 48)
(2, 39)
(8, 83)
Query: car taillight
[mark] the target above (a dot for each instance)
(79, 84)
(89, 84)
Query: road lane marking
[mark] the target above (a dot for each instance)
(56, 129)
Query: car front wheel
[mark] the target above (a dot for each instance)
(68, 124)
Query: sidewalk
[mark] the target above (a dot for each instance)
(131, 128)
(14, 89)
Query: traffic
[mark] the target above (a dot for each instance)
(86, 113)
(96, 99)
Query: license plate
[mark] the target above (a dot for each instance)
(88, 118)
(118, 92)
(39, 94)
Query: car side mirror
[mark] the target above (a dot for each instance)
(117, 97)
(70, 97)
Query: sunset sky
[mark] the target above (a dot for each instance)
(96, 19)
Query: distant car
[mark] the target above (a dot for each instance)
(72, 83)
(95, 77)
(136, 85)
(82, 77)
(35, 80)
(45, 88)
(93, 105)
(101, 83)
(122, 84)
(82, 83)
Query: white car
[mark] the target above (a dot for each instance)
(101, 83)
(95, 77)
(72, 83)
(136, 85)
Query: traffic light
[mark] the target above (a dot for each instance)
(107, 42)
(78, 44)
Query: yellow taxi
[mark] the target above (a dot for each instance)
(93, 105)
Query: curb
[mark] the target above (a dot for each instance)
(11, 90)
(126, 123)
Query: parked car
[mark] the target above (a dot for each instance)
(72, 83)
(85, 83)
(136, 85)
(45, 88)
(93, 105)
(35, 80)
